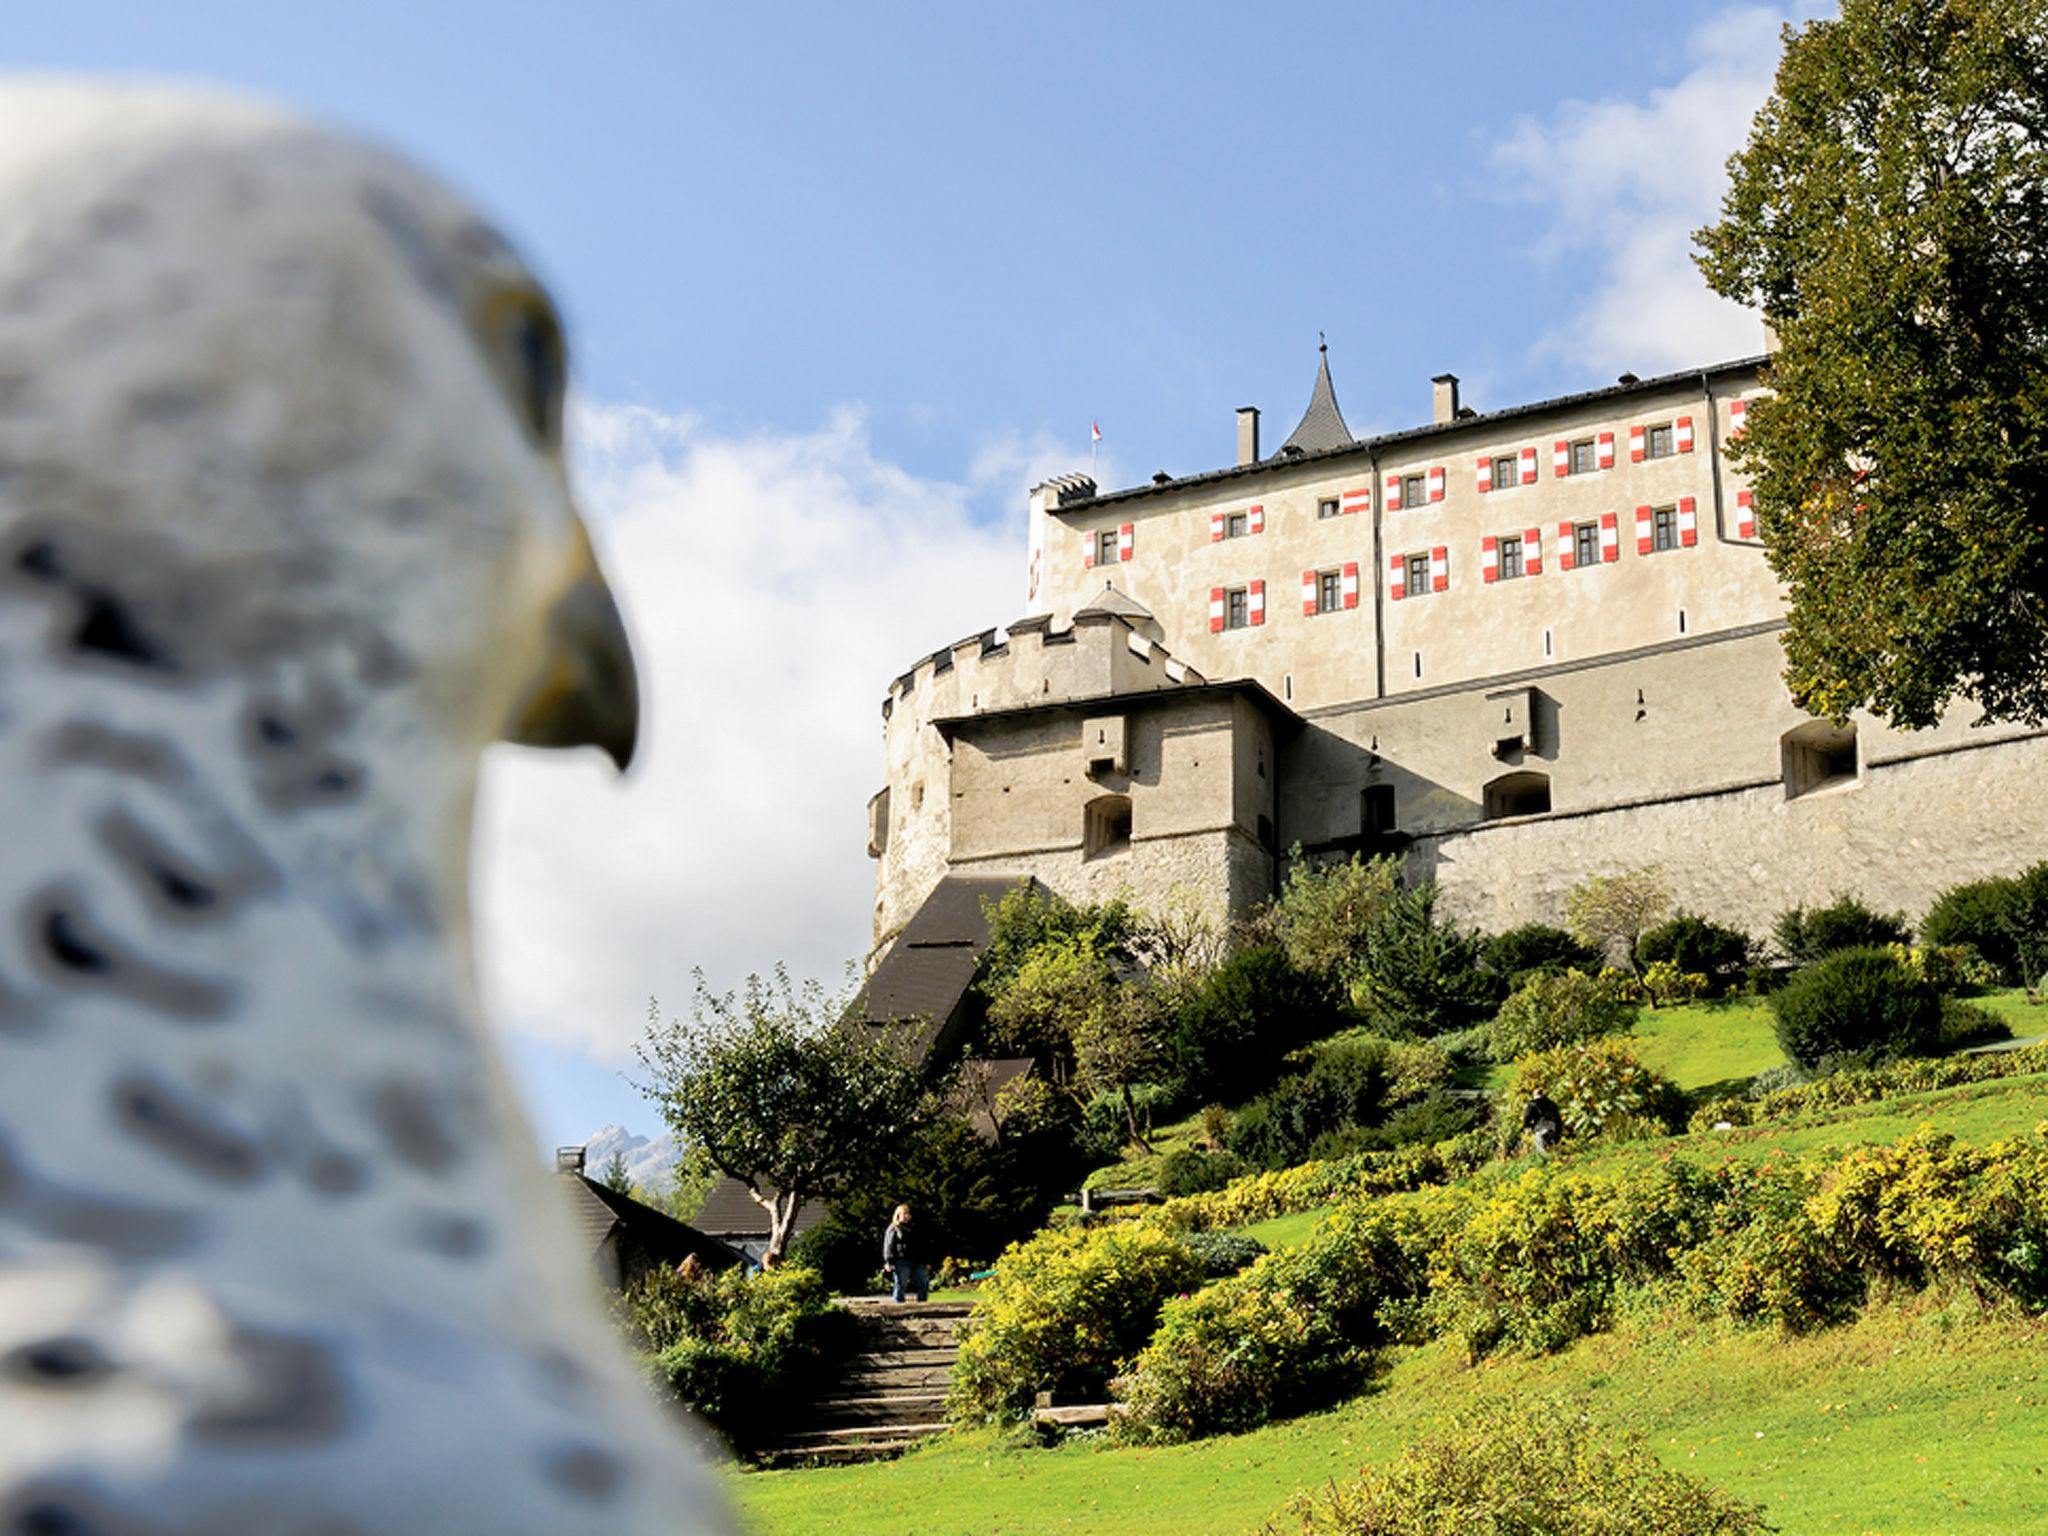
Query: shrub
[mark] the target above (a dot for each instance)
(1696, 946)
(1966, 1024)
(1224, 1253)
(1914, 1075)
(1421, 975)
(1977, 914)
(1346, 1085)
(1599, 1087)
(1229, 1038)
(1062, 1312)
(1845, 924)
(1544, 1461)
(738, 1347)
(1326, 913)
(1261, 1196)
(1762, 1259)
(1613, 912)
(1548, 1011)
(1536, 947)
(1951, 969)
(1423, 1123)
(1855, 1005)
(1189, 1171)
(2026, 924)
(1664, 983)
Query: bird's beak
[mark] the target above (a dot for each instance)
(586, 694)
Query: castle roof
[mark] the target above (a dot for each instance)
(1120, 604)
(1285, 721)
(1366, 446)
(1322, 426)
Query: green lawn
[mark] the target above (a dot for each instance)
(1907, 1423)
(1140, 1170)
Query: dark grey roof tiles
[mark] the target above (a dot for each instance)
(729, 1212)
(1322, 424)
(598, 1211)
(1120, 604)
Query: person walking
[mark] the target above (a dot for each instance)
(900, 1258)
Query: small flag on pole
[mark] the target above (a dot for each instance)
(1094, 432)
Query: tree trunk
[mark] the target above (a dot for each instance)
(1131, 1122)
(781, 1217)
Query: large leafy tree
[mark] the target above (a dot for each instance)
(774, 1087)
(1890, 216)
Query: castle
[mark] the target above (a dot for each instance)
(1517, 646)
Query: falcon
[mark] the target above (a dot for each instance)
(285, 542)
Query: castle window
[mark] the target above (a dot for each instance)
(1663, 528)
(1105, 547)
(1106, 826)
(1329, 591)
(1237, 611)
(1236, 526)
(1326, 508)
(1518, 794)
(1585, 545)
(1506, 472)
(1658, 442)
(1584, 460)
(1418, 576)
(1510, 557)
(1413, 493)
(1376, 809)
(1818, 755)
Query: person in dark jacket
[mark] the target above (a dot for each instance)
(900, 1258)
(1543, 1120)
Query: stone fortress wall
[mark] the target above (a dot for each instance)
(1392, 673)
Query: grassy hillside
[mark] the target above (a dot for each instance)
(1910, 1422)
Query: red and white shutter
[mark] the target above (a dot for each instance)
(1610, 538)
(1088, 554)
(1604, 450)
(1123, 541)
(1644, 542)
(1397, 577)
(1215, 610)
(1358, 499)
(1529, 465)
(1308, 594)
(1483, 475)
(1532, 551)
(1215, 527)
(1635, 445)
(1439, 568)
(1688, 522)
(1745, 514)
(1436, 482)
(1257, 520)
(1738, 412)
(1489, 559)
(1683, 432)
(1393, 489)
(1567, 550)
(1348, 583)
(1257, 597)
(1560, 459)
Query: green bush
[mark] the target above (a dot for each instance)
(1347, 1084)
(1423, 1123)
(1855, 1005)
(1062, 1312)
(1547, 1011)
(736, 1347)
(1696, 946)
(1224, 1253)
(1513, 955)
(1843, 924)
(1600, 1089)
(1191, 1171)
(2026, 924)
(1421, 975)
(1524, 1467)
(1326, 913)
(1842, 1089)
(1977, 913)
(1966, 1024)
(1228, 1040)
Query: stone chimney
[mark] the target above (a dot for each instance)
(1446, 398)
(1247, 434)
(568, 1159)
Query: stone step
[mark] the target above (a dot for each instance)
(879, 1408)
(894, 1378)
(838, 1453)
(881, 1359)
(909, 1333)
(882, 1306)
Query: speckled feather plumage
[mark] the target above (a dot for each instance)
(278, 557)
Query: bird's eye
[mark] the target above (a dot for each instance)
(535, 363)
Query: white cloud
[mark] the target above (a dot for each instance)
(773, 584)
(1626, 182)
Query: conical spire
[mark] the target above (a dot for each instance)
(1322, 424)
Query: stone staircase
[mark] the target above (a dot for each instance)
(891, 1390)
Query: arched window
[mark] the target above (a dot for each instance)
(1817, 755)
(1106, 825)
(1518, 794)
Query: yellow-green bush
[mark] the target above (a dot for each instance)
(1062, 1312)
(1547, 1011)
(1286, 1191)
(1600, 1088)
(1517, 1467)
(1842, 1089)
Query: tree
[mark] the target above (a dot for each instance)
(1325, 917)
(1119, 1045)
(614, 1177)
(1890, 216)
(779, 1089)
(1613, 912)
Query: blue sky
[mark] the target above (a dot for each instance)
(842, 280)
